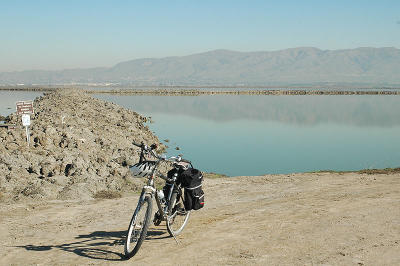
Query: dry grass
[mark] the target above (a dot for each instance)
(214, 175)
(385, 171)
(106, 194)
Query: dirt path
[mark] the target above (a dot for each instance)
(300, 219)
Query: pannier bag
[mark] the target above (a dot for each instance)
(191, 180)
(170, 175)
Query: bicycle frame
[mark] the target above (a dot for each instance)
(149, 189)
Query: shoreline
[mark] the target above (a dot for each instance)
(374, 171)
(190, 91)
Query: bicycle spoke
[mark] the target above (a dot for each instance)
(138, 228)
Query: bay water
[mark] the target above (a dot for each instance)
(255, 135)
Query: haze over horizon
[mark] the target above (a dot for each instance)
(199, 53)
(49, 35)
(305, 66)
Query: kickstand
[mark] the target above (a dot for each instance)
(173, 235)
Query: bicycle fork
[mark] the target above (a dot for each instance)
(147, 190)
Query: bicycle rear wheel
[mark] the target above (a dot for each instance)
(138, 226)
(177, 217)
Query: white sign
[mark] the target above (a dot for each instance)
(26, 120)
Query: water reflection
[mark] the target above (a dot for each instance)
(254, 135)
(363, 110)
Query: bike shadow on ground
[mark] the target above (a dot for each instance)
(157, 233)
(99, 245)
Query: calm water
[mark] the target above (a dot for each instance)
(9, 98)
(253, 135)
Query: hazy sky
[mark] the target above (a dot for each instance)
(68, 34)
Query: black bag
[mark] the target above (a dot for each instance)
(194, 199)
(191, 180)
(170, 175)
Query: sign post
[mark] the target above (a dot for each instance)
(25, 108)
(26, 122)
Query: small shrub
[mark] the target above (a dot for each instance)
(106, 194)
(32, 190)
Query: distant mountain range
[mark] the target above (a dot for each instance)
(304, 66)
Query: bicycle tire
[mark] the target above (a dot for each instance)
(175, 227)
(136, 221)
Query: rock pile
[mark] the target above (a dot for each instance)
(80, 146)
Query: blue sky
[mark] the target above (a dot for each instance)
(68, 34)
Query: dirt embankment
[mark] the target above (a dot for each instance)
(297, 219)
(80, 146)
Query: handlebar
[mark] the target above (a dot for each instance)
(169, 180)
(145, 147)
(185, 161)
(151, 149)
(138, 145)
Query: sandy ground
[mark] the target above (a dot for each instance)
(298, 219)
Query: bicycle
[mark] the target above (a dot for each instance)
(170, 207)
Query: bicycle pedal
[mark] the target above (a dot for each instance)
(157, 219)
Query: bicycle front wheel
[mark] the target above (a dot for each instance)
(177, 215)
(138, 226)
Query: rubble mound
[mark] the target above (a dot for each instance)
(79, 146)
